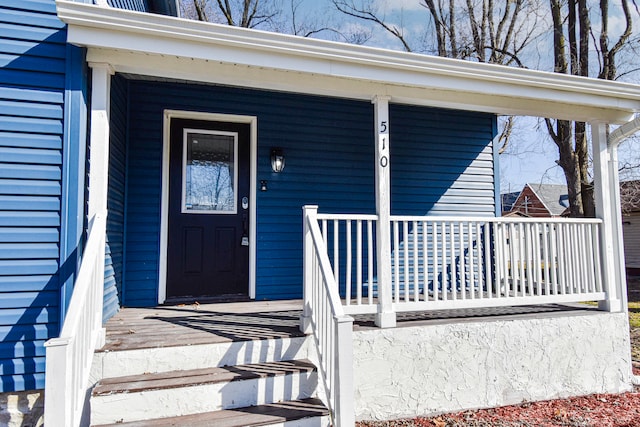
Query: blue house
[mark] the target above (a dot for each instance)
(189, 149)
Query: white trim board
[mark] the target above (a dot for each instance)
(252, 121)
(180, 48)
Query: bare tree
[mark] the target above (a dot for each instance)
(298, 17)
(491, 31)
(630, 196)
(572, 35)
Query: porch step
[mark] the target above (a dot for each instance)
(299, 413)
(155, 357)
(195, 391)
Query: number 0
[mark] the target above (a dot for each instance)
(384, 161)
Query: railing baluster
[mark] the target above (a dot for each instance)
(545, 258)
(348, 266)
(562, 280)
(396, 265)
(324, 230)
(370, 261)
(336, 251)
(595, 238)
(454, 272)
(462, 258)
(528, 259)
(416, 262)
(586, 259)
(521, 259)
(445, 277)
(359, 262)
(405, 259)
(488, 283)
(436, 270)
(425, 261)
(472, 275)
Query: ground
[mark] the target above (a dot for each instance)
(618, 410)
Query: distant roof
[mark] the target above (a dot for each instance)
(554, 197)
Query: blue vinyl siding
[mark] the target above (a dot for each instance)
(116, 200)
(441, 160)
(33, 62)
(137, 5)
(163, 7)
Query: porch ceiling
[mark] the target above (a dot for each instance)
(168, 47)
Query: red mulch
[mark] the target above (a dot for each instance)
(599, 410)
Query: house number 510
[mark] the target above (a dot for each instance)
(384, 160)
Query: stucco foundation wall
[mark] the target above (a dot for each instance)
(453, 366)
(22, 409)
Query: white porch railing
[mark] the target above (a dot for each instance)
(68, 357)
(463, 262)
(324, 318)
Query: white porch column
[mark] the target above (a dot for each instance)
(99, 137)
(386, 317)
(607, 209)
(99, 163)
(621, 268)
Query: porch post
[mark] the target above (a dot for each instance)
(386, 317)
(99, 165)
(99, 137)
(310, 213)
(607, 204)
(616, 206)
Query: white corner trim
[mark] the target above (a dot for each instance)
(252, 121)
(116, 29)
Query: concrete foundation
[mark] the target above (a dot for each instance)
(22, 409)
(446, 366)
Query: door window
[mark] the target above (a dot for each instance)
(209, 178)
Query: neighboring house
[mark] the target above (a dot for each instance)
(541, 200)
(630, 202)
(201, 143)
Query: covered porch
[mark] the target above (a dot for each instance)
(363, 256)
(432, 362)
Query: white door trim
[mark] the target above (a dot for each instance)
(252, 121)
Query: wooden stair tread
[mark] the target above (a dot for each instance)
(194, 377)
(251, 416)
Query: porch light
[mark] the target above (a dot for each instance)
(277, 160)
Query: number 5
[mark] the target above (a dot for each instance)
(383, 126)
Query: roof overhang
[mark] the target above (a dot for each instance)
(168, 47)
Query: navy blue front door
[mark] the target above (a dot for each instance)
(208, 236)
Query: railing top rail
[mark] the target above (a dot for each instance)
(94, 240)
(325, 266)
(435, 218)
(346, 217)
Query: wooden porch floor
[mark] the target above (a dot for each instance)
(188, 324)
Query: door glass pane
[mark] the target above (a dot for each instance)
(209, 172)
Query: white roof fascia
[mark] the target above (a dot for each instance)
(407, 77)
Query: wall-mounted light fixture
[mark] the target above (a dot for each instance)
(277, 160)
